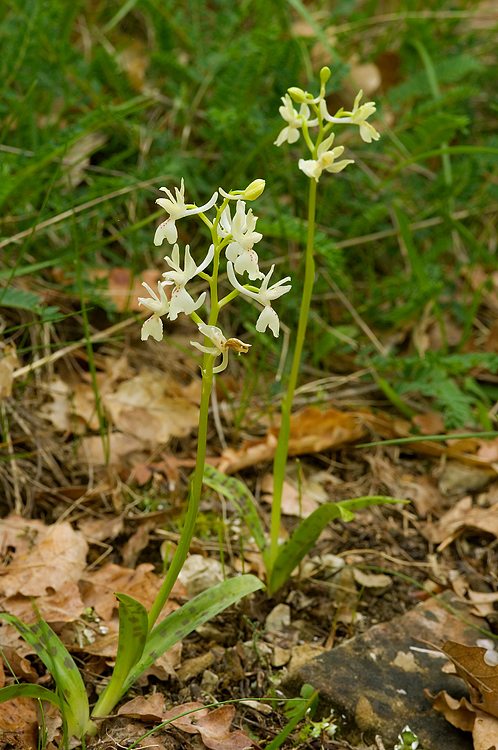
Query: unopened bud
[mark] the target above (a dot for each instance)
(253, 190)
(324, 75)
(297, 94)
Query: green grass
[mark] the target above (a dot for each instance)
(207, 110)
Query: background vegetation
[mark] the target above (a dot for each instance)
(103, 102)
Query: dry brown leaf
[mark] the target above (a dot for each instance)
(467, 717)
(8, 363)
(18, 534)
(213, 726)
(143, 407)
(420, 490)
(99, 529)
(97, 588)
(292, 505)
(311, 431)
(459, 518)
(481, 678)
(19, 718)
(430, 423)
(65, 605)
(124, 289)
(57, 560)
(120, 447)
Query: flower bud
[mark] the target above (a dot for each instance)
(253, 190)
(297, 94)
(324, 75)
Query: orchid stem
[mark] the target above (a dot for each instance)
(195, 495)
(281, 452)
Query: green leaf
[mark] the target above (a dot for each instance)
(238, 494)
(305, 536)
(133, 627)
(183, 621)
(30, 691)
(61, 665)
(20, 299)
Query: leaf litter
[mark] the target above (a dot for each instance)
(151, 417)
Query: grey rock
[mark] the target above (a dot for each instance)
(375, 682)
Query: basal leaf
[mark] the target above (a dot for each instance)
(133, 627)
(183, 621)
(305, 536)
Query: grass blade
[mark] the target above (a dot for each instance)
(238, 494)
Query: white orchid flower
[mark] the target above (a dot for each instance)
(181, 301)
(358, 116)
(221, 345)
(241, 251)
(159, 305)
(295, 119)
(268, 317)
(326, 160)
(177, 209)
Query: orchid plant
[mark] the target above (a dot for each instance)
(280, 560)
(142, 639)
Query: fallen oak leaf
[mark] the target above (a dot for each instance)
(194, 718)
(311, 431)
(480, 677)
(463, 715)
(460, 517)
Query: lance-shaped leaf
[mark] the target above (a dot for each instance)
(183, 621)
(133, 627)
(305, 536)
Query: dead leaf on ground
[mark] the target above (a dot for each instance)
(467, 717)
(98, 587)
(419, 489)
(57, 560)
(460, 518)
(430, 423)
(311, 431)
(292, 504)
(213, 726)
(65, 605)
(19, 724)
(481, 678)
(8, 363)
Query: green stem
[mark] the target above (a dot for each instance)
(280, 459)
(195, 495)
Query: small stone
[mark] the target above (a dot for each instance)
(209, 682)
(279, 619)
(280, 656)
